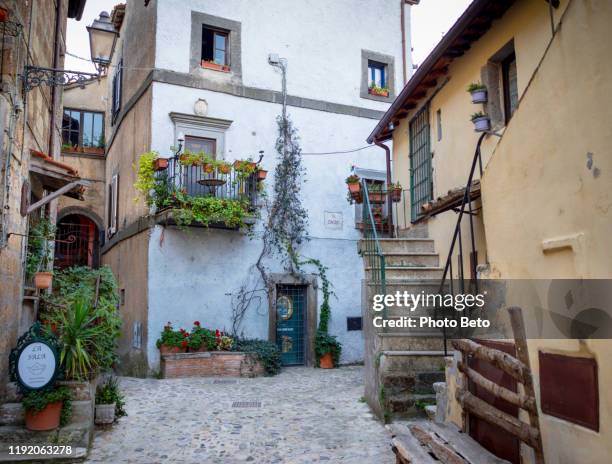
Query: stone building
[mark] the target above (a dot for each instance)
(32, 34)
(204, 81)
(538, 209)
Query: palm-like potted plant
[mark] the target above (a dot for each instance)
(109, 402)
(481, 121)
(478, 92)
(47, 409)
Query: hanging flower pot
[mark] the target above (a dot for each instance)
(479, 95)
(43, 280)
(46, 419)
(261, 175)
(396, 194)
(160, 164)
(377, 197)
(481, 121)
(326, 361)
(224, 168)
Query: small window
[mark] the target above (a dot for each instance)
(439, 123)
(377, 75)
(83, 128)
(509, 81)
(215, 46)
(201, 144)
(113, 205)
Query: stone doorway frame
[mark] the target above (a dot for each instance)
(310, 281)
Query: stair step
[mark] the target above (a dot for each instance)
(403, 244)
(406, 272)
(409, 259)
(414, 353)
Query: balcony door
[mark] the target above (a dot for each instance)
(193, 174)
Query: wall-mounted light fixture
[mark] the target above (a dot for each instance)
(102, 40)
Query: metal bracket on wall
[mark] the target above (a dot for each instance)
(34, 76)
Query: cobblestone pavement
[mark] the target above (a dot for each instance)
(306, 416)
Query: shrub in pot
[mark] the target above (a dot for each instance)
(43, 280)
(201, 339)
(40, 253)
(109, 402)
(478, 92)
(172, 341)
(481, 121)
(47, 409)
(376, 194)
(327, 350)
(396, 192)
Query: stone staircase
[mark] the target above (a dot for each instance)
(402, 364)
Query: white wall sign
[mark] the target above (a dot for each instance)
(36, 365)
(333, 220)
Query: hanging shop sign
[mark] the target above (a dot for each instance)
(34, 363)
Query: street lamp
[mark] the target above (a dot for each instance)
(102, 40)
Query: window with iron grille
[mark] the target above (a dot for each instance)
(421, 179)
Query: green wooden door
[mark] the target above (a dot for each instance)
(290, 307)
(421, 179)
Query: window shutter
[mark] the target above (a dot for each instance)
(113, 205)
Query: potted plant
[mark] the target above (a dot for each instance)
(224, 168)
(47, 409)
(172, 341)
(40, 253)
(396, 192)
(261, 175)
(376, 194)
(327, 350)
(159, 164)
(201, 339)
(478, 92)
(378, 91)
(481, 121)
(109, 402)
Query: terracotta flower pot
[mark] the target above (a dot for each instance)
(378, 198)
(215, 66)
(165, 349)
(396, 195)
(4, 15)
(160, 164)
(354, 187)
(261, 174)
(326, 361)
(379, 93)
(47, 419)
(238, 164)
(42, 280)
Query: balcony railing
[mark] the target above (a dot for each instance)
(195, 181)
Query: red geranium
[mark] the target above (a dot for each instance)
(217, 333)
(184, 344)
(196, 323)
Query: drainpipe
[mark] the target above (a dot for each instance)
(403, 26)
(389, 201)
(54, 94)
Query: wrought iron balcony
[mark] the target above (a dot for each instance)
(180, 183)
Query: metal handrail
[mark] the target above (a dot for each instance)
(372, 249)
(466, 202)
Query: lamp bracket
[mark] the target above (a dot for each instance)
(34, 76)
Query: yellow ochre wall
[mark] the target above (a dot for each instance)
(528, 24)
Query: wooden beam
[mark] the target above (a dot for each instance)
(507, 363)
(524, 432)
(57, 193)
(527, 403)
(522, 353)
(443, 452)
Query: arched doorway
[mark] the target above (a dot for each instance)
(76, 242)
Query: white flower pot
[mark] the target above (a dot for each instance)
(105, 414)
(479, 96)
(482, 124)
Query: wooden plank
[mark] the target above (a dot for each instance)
(406, 448)
(474, 405)
(463, 444)
(442, 451)
(522, 353)
(527, 403)
(53, 195)
(499, 359)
